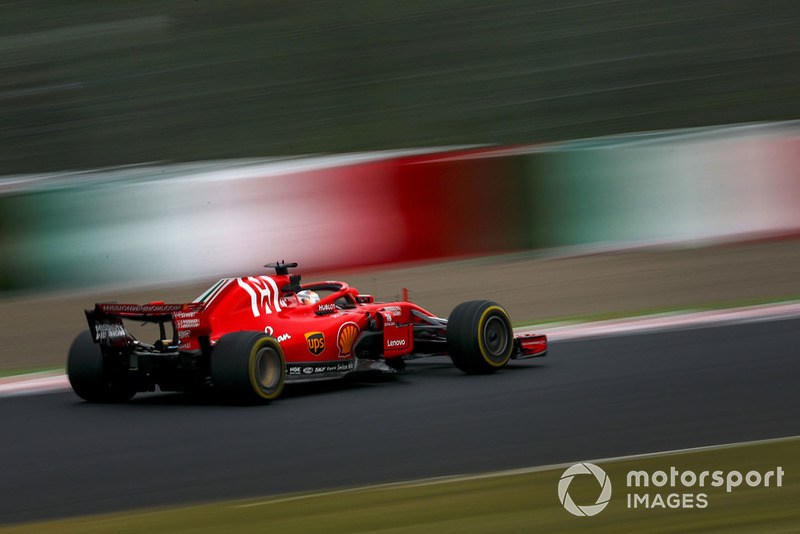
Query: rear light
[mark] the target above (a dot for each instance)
(533, 344)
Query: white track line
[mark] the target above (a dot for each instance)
(666, 321)
(38, 383)
(34, 383)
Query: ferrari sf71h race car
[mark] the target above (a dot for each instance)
(245, 338)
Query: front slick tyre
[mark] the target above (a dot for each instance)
(92, 377)
(479, 337)
(248, 367)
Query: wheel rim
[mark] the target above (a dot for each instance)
(495, 338)
(266, 369)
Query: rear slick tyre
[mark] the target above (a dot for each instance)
(91, 376)
(248, 367)
(480, 339)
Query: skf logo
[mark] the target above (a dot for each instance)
(348, 333)
(315, 341)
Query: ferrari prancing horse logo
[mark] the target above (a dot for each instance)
(315, 341)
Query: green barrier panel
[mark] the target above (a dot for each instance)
(698, 185)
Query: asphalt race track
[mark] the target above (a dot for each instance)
(589, 399)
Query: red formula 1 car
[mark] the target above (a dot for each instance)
(247, 337)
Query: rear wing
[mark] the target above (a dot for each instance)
(106, 320)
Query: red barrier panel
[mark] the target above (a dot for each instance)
(456, 204)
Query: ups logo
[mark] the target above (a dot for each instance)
(315, 341)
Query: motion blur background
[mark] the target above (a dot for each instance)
(178, 141)
(149, 147)
(86, 84)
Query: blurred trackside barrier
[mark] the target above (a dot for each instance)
(174, 223)
(671, 187)
(698, 185)
(168, 223)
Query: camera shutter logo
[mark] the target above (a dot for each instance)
(584, 469)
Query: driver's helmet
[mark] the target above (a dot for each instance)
(307, 296)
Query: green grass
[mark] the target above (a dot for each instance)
(505, 503)
(29, 370)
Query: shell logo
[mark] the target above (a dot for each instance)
(348, 333)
